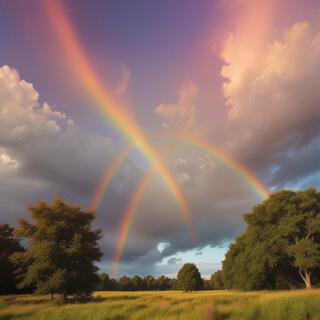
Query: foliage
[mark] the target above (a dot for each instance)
(104, 282)
(280, 246)
(216, 281)
(189, 278)
(134, 284)
(8, 245)
(63, 248)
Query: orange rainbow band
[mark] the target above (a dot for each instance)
(125, 224)
(241, 170)
(110, 172)
(109, 108)
(132, 208)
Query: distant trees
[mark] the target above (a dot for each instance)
(125, 284)
(104, 282)
(280, 247)
(135, 283)
(216, 281)
(62, 251)
(189, 278)
(149, 282)
(9, 244)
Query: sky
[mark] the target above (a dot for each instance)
(207, 105)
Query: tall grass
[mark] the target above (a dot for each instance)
(171, 305)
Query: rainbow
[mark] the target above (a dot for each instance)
(241, 170)
(111, 110)
(128, 217)
(110, 171)
(130, 212)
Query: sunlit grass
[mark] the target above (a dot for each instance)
(170, 305)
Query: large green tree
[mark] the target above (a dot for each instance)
(9, 244)
(62, 251)
(280, 245)
(299, 231)
(189, 278)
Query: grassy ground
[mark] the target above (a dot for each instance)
(170, 305)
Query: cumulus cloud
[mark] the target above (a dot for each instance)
(42, 153)
(274, 102)
(183, 114)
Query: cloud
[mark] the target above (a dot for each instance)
(42, 153)
(173, 261)
(183, 114)
(274, 100)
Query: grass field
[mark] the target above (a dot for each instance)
(286, 305)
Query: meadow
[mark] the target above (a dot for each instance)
(169, 305)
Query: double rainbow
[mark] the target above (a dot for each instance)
(241, 170)
(111, 110)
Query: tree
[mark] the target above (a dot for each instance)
(163, 283)
(302, 229)
(8, 245)
(137, 283)
(62, 251)
(104, 282)
(280, 246)
(114, 284)
(125, 284)
(216, 281)
(189, 278)
(149, 282)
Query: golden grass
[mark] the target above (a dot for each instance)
(170, 305)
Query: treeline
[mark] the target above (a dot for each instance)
(61, 254)
(280, 247)
(188, 279)
(135, 283)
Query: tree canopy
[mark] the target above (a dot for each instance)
(280, 247)
(189, 278)
(62, 251)
(9, 244)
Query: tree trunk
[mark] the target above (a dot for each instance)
(308, 280)
(64, 297)
(306, 277)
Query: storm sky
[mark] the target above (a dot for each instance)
(242, 75)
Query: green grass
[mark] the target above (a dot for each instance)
(170, 305)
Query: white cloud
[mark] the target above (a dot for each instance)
(183, 114)
(7, 161)
(42, 146)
